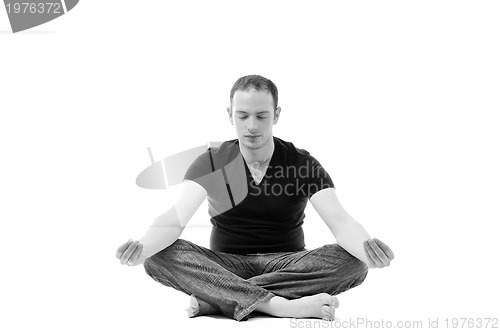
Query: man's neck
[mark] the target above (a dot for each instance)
(261, 155)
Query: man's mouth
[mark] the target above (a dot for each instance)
(252, 136)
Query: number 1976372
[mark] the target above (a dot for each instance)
(34, 8)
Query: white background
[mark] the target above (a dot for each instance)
(397, 99)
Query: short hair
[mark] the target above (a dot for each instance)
(256, 82)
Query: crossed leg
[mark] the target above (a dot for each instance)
(297, 284)
(304, 283)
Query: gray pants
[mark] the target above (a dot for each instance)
(237, 284)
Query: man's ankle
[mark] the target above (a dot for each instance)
(274, 307)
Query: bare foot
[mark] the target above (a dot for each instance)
(315, 306)
(198, 307)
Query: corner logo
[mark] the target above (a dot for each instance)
(27, 14)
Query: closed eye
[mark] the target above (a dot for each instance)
(243, 117)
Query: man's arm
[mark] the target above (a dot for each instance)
(167, 228)
(349, 233)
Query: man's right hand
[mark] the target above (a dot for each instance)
(129, 253)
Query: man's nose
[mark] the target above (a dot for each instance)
(252, 125)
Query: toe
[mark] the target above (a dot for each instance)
(193, 307)
(193, 302)
(328, 312)
(334, 302)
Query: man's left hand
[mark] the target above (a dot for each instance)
(378, 253)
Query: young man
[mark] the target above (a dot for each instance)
(257, 186)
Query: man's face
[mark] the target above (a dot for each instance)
(253, 115)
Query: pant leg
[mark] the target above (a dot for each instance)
(328, 269)
(215, 277)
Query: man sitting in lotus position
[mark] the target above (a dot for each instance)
(257, 186)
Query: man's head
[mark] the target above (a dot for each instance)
(254, 110)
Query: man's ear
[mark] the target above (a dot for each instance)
(230, 113)
(277, 112)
